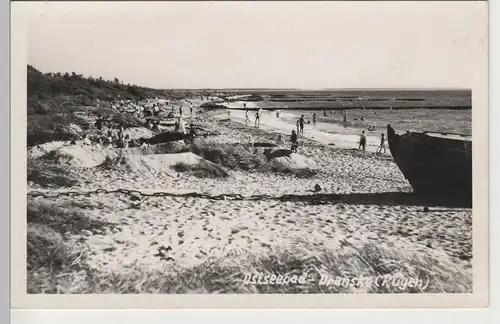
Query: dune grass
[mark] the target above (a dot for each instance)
(46, 173)
(223, 157)
(243, 157)
(55, 268)
(232, 156)
(62, 220)
(55, 265)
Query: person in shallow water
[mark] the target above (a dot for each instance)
(301, 124)
(257, 118)
(247, 120)
(362, 142)
(294, 141)
(382, 144)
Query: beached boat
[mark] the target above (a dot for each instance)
(437, 165)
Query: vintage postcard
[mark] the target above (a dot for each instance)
(249, 155)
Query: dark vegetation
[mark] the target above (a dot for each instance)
(47, 173)
(210, 105)
(55, 101)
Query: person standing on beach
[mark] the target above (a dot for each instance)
(191, 111)
(180, 111)
(382, 144)
(294, 141)
(280, 141)
(99, 123)
(301, 124)
(362, 142)
(121, 132)
(257, 118)
(298, 125)
(126, 141)
(314, 118)
(247, 120)
(181, 127)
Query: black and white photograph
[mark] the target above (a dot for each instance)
(223, 148)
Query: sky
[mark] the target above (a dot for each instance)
(262, 45)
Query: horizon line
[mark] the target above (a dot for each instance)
(284, 89)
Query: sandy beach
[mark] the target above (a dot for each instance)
(233, 213)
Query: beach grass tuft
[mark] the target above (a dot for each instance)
(48, 174)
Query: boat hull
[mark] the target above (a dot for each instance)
(437, 168)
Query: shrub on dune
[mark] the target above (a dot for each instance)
(202, 170)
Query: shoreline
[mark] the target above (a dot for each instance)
(271, 124)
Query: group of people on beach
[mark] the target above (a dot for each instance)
(107, 135)
(146, 110)
(258, 115)
(362, 143)
(300, 124)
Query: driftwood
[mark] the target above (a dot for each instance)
(264, 145)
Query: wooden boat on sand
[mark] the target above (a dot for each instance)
(437, 165)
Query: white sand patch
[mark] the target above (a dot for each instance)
(198, 229)
(42, 149)
(80, 155)
(296, 161)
